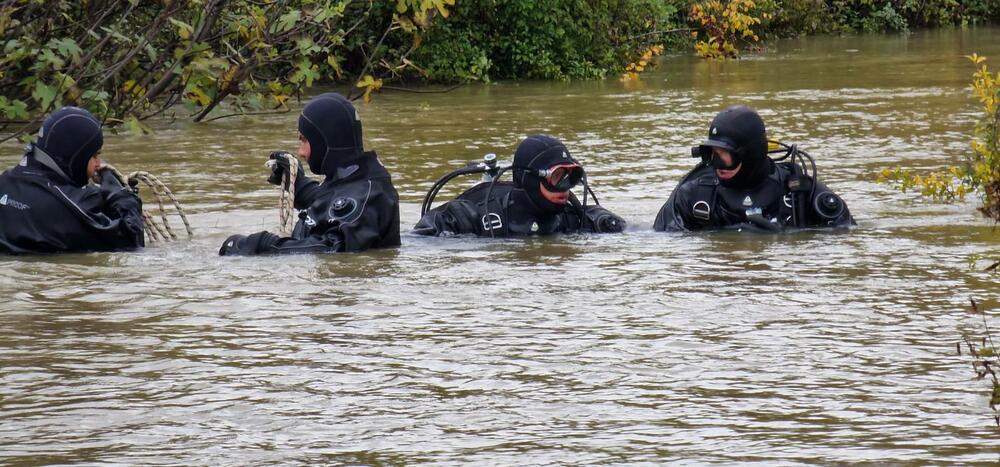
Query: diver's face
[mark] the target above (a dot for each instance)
(558, 198)
(93, 164)
(560, 180)
(727, 159)
(304, 149)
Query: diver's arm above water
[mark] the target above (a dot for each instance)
(600, 220)
(675, 215)
(306, 191)
(108, 218)
(361, 217)
(458, 216)
(267, 243)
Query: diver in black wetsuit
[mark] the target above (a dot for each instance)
(354, 209)
(538, 202)
(46, 203)
(737, 185)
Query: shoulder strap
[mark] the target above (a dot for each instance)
(704, 197)
(798, 188)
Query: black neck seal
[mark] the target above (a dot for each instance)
(333, 128)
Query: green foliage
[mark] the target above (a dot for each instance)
(798, 17)
(559, 39)
(724, 25)
(128, 61)
(793, 17)
(941, 185)
(984, 165)
(883, 19)
(981, 172)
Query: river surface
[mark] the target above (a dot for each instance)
(640, 348)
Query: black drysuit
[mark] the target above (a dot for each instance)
(43, 212)
(511, 213)
(354, 209)
(700, 202)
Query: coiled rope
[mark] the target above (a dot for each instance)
(286, 200)
(156, 231)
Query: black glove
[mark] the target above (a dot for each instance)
(133, 184)
(231, 246)
(109, 182)
(281, 167)
(603, 221)
(114, 193)
(244, 245)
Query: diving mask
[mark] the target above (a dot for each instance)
(560, 178)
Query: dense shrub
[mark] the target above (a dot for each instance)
(725, 25)
(888, 15)
(130, 60)
(799, 17)
(558, 39)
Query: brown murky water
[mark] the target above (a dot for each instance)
(634, 348)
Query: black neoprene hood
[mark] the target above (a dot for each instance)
(741, 131)
(71, 136)
(538, 152)
(333, 128)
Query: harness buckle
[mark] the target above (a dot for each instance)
(701, 210)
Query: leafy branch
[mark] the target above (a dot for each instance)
(131, 61)
(986, 360)
(981, 171)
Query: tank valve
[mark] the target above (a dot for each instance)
(490, 161)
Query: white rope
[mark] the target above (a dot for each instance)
(287, 215)
(155, 231)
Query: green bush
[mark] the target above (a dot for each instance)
(130, 60)
(883, 19)
(799, 17)
(557, 39)
(794, 17)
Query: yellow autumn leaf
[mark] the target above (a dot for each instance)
(366, 81)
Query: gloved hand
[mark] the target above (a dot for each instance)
(133, 185)
(109, 182)
(244, 245)
(603, 221)
(115, 194)
(281, 166)
(231, 247)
